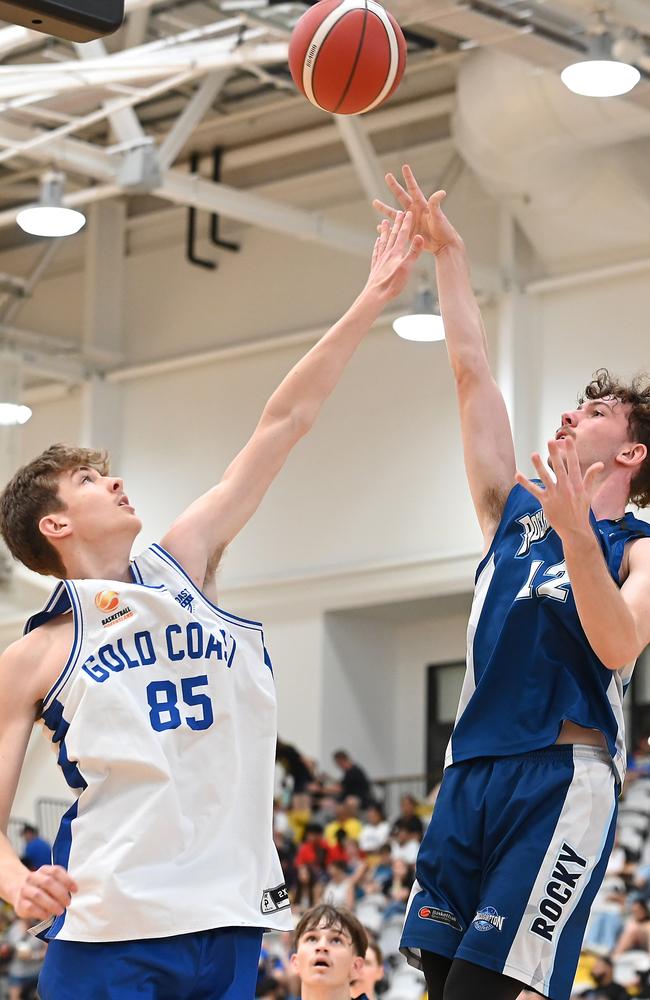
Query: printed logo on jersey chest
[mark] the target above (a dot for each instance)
(535, 528)
(109, 600)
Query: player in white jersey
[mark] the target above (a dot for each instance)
(523, 824)
(161, 707)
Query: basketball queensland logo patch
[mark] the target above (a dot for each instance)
(108, 601)
(440, 916)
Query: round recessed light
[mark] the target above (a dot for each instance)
(419, 326)
(13, 413)
(50, 220)
(600, 77)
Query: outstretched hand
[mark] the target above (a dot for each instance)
(566, 500)
(394, 255)
(428, 219)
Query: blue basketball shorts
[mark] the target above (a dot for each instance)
(509, 866)
(218, 964)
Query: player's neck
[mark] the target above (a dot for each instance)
(323, 992)
(612, 498)
(108, 561)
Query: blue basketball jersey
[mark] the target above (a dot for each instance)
(529, 663)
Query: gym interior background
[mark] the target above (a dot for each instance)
(147, 335)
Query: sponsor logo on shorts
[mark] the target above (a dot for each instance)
(109, 600)
(567, 871)
(439, 916)
(488, 919)
(275, 899)
(535, 529)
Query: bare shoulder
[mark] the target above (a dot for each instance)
(33, 662)
(636, 558)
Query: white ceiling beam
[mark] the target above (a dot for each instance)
(189, 189)
(135, 30)
(190, 118)
(125, 122)
(362, 153)
(69, 154)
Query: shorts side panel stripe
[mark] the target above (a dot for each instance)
(582, 826)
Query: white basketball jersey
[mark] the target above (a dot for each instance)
(164, 720)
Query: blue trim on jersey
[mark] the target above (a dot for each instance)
(58, 603)
(167, 557)
(267, 658)
(66, 673)
(54, 720)
(61, 856)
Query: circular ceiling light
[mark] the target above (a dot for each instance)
(600, 77)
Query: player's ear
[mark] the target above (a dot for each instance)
(358, 963)
(55, 526)
(293, 962)
(633, 456)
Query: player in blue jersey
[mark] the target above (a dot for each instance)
(524, 822)
(161, 707)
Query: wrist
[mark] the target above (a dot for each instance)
(12, 882)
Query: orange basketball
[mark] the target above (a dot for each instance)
(347, 56)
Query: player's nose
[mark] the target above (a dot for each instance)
(117, 485)
(569, 418)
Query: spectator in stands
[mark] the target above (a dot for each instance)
(339, 890)
(307, 890)
(330, 945)
(408, 816)
(37, 851)
(376, 829)
(354, 781)
(397, 889)
(602, 972)
(295, 766)
(346, 820)
(371, 974)
(314, 850)
(26, 959)
(406, 841)
(636, 933)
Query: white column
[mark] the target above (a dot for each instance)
(101, 425)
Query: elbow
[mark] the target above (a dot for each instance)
(618, 656)
(469, 368)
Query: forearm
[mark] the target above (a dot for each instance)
(464, 330)
(313, 378)
(605, 617)
(12, 871)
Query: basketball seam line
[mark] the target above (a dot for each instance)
(356, 59)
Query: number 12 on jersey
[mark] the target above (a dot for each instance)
(555, 586)
(163, 698)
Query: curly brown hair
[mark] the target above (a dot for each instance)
(34, 492)
(637, 394)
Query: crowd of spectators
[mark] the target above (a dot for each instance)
(337, 845)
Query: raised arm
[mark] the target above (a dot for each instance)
(199, 536)
(487, 437)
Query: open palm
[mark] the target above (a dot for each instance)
(429, 221)
(394, 255)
